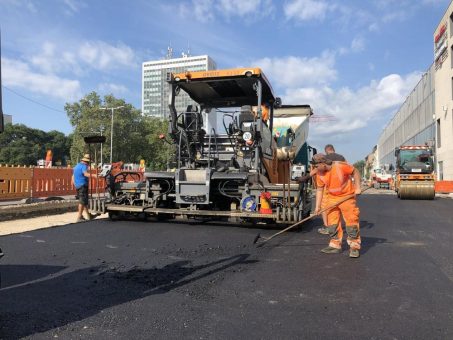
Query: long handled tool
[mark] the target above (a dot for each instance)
(265, 239)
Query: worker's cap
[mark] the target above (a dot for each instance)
(86, 158)
(320, 158)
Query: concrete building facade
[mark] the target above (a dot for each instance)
(443, 62)
(413, 123)
(155, 90)
(427, 114)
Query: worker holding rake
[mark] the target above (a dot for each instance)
(336, 179)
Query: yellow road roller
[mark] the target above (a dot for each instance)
(414, 172)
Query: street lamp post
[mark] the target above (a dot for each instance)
(111, 129)
(101, 128)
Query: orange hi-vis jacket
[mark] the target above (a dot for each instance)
(337, 181)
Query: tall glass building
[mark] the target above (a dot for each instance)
(155, 89)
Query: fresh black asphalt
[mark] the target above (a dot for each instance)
(169, 280)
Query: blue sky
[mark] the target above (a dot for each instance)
(354, 60)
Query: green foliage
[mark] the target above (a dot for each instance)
(360, 165)
(21, 145)
(135, 136)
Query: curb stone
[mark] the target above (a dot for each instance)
(21, 211)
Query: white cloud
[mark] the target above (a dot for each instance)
(290, 72)
(19, 74)
(20, 4)
(209, 10)
(354, 109)
(358, 44)
(101, 55)
(74, 6)
(374, 27)
(98, 55)
(401, 16)
(305, 10)
(111, 88)
(245, 8)
(200, 9)
(436, 2)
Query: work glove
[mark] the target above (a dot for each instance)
(303, 179)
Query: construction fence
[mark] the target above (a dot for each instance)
(30, 182)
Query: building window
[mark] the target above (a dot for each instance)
(451, 25)
(451, 58)
(439, 141)
(440, 170)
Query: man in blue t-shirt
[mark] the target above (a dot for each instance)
(80, 179)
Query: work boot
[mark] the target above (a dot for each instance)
(354, 253)
(80, 219)
(323, 230)
(331, 250)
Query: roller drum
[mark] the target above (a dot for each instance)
(416, 190)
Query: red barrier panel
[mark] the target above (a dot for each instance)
(52, 182)
(444, 187)
(15, 182)
(20, 182)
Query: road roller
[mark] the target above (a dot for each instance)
(414, 172)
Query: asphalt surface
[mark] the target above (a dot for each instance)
(157, 280)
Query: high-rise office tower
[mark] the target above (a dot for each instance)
(155, 88)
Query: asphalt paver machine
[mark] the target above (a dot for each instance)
(237, 153)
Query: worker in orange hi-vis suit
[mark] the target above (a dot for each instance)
(336, 179)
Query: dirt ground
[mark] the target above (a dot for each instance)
(48, 221)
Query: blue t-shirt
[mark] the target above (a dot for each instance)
(79, 178)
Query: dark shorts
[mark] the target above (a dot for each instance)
(82, 193)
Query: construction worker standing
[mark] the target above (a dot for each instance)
(335, 157)
(332, 155)
(336, 179)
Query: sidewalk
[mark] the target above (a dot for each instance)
(42, 222)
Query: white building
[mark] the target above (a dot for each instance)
(413, 124)
(443, 61)
(155, 89)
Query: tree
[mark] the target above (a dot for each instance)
(135, 136)
(360, 165)
(160, 151)
(22, 145)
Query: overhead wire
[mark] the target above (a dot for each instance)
(32, 100)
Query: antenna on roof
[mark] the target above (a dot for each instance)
(169, 54)
(188, 48)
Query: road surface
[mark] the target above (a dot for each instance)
(157, 280)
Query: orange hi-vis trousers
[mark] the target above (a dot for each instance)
(350, 212)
